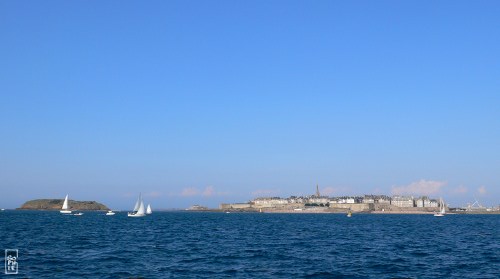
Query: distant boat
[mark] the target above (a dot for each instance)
(349, 213)
(65, 207)
(78, 214)
(149, 211)
(442, 209)
(138, 209)
(110, 212)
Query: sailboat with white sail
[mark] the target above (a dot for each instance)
(148, 210)
(442, 209)
(65, 207)
(139, 210)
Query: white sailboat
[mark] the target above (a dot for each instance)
(148, 210)
(65, 207)
(139, 210)
(442, 210)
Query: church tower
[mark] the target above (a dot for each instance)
(317, 191)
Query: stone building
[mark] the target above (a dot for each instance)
(402, 201)
(431, 203)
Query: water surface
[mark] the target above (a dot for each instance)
(249, 245)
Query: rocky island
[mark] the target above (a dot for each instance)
(56, 204)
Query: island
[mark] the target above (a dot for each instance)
(56, 204)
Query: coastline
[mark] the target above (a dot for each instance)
(326, 211)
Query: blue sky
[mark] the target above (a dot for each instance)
(202, 102)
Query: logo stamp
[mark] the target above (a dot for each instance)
(11, 256)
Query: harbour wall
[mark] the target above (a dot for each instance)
(355, 207)
(332, 207)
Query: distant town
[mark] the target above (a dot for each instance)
(318, 203)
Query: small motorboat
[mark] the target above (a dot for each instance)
(110, 213)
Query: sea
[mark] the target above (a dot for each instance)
(250, 245)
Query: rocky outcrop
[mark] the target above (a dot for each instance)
(56, 204)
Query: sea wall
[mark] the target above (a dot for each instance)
(393, 208)
(235, 206)
(332, 208)
(355, 207)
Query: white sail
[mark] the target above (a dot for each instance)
(65, 204)
(137, 203)
(141, 209)
(149, 211)
(443, 209)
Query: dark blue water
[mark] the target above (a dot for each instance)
(214, 245)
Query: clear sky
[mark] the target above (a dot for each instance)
(202, 102)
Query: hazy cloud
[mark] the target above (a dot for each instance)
(209, 191)
(460, 190)
(482, 190)
(189, 192)
(328, 191)
(422, 187)
(128, 195)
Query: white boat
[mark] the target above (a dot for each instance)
(442, 209)
(110, 213)
(149, 211)
(65, 207)
(139, 210)
(78, 214)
